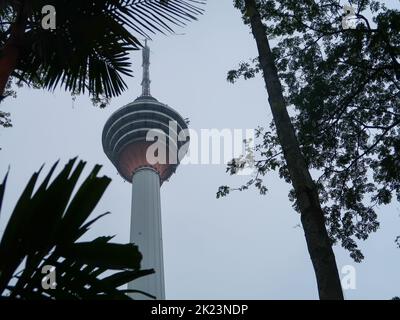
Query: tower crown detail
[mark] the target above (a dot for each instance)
(126, 133)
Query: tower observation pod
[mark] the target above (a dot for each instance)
(145, 140)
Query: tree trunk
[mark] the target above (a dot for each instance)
(312, 217)
(10, 53)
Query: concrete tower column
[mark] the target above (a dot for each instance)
(146, 231)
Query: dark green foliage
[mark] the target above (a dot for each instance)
(344, 88)
(5, 119)
(44, 229)
(89, 49)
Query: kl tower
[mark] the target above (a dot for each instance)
(127, 144)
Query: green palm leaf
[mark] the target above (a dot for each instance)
(89, 49)
(44, 229)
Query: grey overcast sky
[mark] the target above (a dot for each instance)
(245, 246)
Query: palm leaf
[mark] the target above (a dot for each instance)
(108, 255)
(43, 230)
(89, 49)
(2, 188)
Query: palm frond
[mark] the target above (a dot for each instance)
(89, 49)
(44, 229)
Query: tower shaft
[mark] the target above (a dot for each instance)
(146, 231)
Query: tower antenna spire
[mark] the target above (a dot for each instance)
(146, 71)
